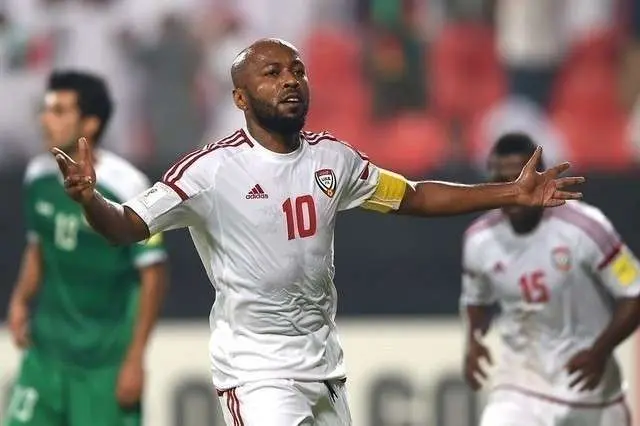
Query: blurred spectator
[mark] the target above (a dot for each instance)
(170, 99)
(23, 61)
(395, 59)
(286, 19)
(86, 38)
(532, 40)
(13, 45)
(224, 35)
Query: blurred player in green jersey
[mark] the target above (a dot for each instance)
(84, 342)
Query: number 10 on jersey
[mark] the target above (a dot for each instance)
(300, 215)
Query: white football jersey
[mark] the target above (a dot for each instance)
(263, 225)
(556, 288)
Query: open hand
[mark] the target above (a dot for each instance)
(130, 382)
(474, 372)
(80, 176)
(545, 189)
(589, 367)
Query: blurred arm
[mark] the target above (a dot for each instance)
(153, 288)
(478, 321)
(29, 276)
(624, 322)
(619, 272)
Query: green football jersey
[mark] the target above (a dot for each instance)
(88, 298)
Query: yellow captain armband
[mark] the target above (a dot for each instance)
(388, 194)
(625, 268)
(153, 241)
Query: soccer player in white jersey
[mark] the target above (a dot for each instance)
(261, 207)
(568, 289)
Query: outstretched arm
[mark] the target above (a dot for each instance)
(117, 223)
(532, 188)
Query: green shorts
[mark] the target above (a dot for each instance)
(48, 394)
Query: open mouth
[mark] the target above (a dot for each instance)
(292, 100)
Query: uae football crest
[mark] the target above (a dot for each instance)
(326, 180)
(561, 257)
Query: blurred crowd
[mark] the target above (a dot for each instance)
(417, 84)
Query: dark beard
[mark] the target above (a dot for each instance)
(267, 116)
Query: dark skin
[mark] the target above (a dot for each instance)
(271, 87)
(588, 365)
(62, 123)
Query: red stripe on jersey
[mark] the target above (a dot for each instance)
(365, 173)
(178, 173)
(487, 220)
(237, 415)
(259, 188)
(187, 156)
(316, 138)
(183, 195)
(606, 240)
(254, 190)
(609, 258)
(188, 162)
(230, 407)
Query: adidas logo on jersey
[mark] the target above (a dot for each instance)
(256, 192)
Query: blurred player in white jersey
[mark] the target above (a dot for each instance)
(568, 289)
(261, 207)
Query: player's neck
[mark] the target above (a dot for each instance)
(528, 225)
(276, 142)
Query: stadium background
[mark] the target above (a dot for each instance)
(422, 86)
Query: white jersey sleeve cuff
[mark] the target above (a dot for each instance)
(153, 204)
(149, 258)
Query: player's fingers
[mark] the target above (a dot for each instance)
(472, 381)
(58, 152)
(589, 384)
(21, 337)
(486, 355)
(571, 366)
(567, 195)
(535, 159)
(84, 152)
(569, 181)
(553, 202)
(480, 371)
(24, 341)
(556, 171)
(577, 380)
(62, 164)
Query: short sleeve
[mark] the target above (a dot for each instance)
(29, 214)
(361, 179)
(476, 287)
(162, 208)
(608, 257)
(176, 201)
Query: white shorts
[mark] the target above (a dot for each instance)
(285, 402)
(514, 408)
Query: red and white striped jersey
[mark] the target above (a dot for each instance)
(556, 288)
(263, 226)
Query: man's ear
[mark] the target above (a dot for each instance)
(240, 99)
